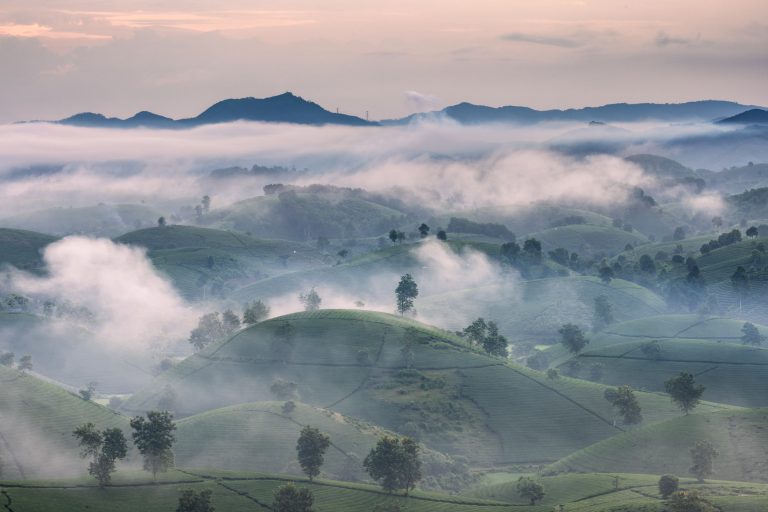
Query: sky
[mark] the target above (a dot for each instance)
(389, 58)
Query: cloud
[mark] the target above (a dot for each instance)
(135, 308)
(561, 42)
(422, 102)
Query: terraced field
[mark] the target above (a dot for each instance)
(456, 400)
(236, 492)
(36, 424)
(202, 261)
(588, 240)
(535, 310)
(741, 437)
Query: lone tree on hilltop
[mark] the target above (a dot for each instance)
(230, 322)
(255, 312)
(394, 463)
(191, 501)
(572, 338)
(105, 447)
(423, 230)
(289, 498)
(209, 329)
(529, 489)
(311, 447)
(311, 300)
(684, 391)
(154, 437)
(406, 291)
(751, 335)
(703, 455)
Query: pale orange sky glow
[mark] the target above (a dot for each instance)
(175, 57)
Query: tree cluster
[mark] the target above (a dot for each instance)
(486, 335)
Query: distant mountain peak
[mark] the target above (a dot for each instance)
(752, 116)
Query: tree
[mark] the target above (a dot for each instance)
(161, 221)
(104, 447)
(623, 399)
(511, 252)
(255, 312)
(230, 322)
(647, 265)
(702, 455)
(475, 332)
(311, 300)
(752, 232)
(209, 329)
(751, 335)
(606, 274)
(532, 250)
(206, 203)
(529, 489)
(90, 390)
(394, 463)
(311, 447)
(668, 484)
(343, 253)
(423, 230)
(289, 498)
(679, 233)
(191, 501)
(689, 501)
(572, 337)
(740, 283)
(6, 359)
(684, 391)
(494, 343)
(406, 291)
(154, 437)
(603, 314)
(25, 363)
(717, 222)
(393, 235)
(442, 235)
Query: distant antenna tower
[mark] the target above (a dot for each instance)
(337, 110)
(366, 115)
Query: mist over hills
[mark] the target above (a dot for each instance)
(289, 108)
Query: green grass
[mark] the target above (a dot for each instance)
(733, 374)
(456, 400)
(236, 492)
(741, 437)
(535, 310)
(36, 424)
(185, 254)
(588, 240)
(23, 249)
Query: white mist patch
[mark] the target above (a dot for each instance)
(135, 308)
(445, 270)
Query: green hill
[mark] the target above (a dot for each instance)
(101, 220)
(588, 240)
(455, 400)
(535, 310)
(23, 249)
(36, 424)
(201, 261)
(305, 213)
(262, 437)
(740, 436)
(733, 374)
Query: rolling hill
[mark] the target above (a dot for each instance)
(401, 375)
(23, 249)
(36, 424)
(588, 240)
(739, 436)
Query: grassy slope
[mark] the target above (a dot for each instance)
(101, 220)
(535, 310)
(458, 402)
(740, 436)
(22, 249)
(588, 240)
(36, 424)
(182, 253)
(236, 492)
